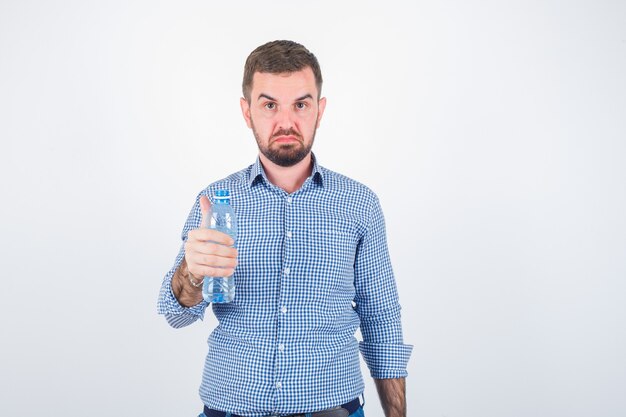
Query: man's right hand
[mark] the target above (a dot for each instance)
(207, 253)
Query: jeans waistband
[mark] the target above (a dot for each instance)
(351, 406)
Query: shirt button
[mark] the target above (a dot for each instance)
(289, 199)
(281, 347)
(283, 309)
(289, 234)
(287, 271)
(279, 385)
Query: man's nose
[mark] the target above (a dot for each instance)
(285, 118)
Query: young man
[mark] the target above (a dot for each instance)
(312, 266)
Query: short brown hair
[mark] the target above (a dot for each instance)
(279, 57)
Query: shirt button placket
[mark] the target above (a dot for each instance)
(286, 271)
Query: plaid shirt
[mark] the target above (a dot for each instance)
(313, 266)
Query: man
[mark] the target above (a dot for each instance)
(311, 265)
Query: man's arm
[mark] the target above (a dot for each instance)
(392, 394)
(186, 294)
(377, 305)
(206, 252)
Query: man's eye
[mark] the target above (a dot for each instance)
(300, 105)
(270, 106)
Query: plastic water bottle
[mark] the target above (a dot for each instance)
(221, 217)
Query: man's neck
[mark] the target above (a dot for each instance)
(290, 178)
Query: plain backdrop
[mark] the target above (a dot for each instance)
(493, 132)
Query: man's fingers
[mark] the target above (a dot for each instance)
(205, 206)
(201, 247)
(210, 235)
(207, 271)
(213, 261)
(210, 248)
(207, 251)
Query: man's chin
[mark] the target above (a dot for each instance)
(286, 162)
(286, 159)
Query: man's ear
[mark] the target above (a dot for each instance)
(245, 111)
(321, 105)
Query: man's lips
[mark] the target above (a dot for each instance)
(284, 139)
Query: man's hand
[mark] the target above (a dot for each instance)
(392, 396)
(207, 253)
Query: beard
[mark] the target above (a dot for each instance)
(285, 154)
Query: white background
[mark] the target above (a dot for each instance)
(493, 132)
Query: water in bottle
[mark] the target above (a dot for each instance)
(221, 217)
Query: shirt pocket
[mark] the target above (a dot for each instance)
(330, 258)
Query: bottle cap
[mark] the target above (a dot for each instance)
(222, 195)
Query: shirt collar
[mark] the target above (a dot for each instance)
(257, 172)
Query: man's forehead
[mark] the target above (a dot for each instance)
(297, 83)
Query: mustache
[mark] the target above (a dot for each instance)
(286, 132)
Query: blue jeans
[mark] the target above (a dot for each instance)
(357, 413)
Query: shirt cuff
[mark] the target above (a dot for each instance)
(169, 305)
(386, 360)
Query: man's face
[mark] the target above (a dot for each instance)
(284, 114)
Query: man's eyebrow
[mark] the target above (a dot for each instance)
(263, 95)
(304, 97)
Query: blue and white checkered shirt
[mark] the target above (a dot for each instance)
(313, 266)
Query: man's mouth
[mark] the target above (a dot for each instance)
(286, 139)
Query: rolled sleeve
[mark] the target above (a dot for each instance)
(386, 360)
(176, 314)
(377, 303)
